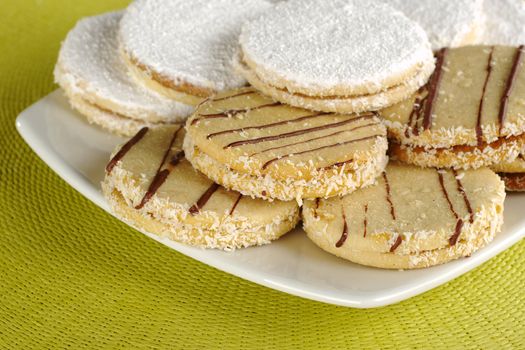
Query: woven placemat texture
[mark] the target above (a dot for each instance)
(72, 276)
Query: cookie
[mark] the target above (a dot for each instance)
(246, 141)
(150, 185)
(411, 218)
(469, 115)
(324, 55)
(447, 23)
(512, 173)
(97, 83)
(503, 22)
(184, 49)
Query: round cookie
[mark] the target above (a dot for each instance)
(150, 185)
(470, 113)
(324, 55)
(503, 22)
(513, 174)
(97, 83)
(447, 23)
(246, 141)
(411, 218)
(184, 49)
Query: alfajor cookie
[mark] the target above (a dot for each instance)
(325, 56)
(503, 22)
(412, 218)
(512, 173)
(246, 141)
(447, 23)
(184, 49)
(151, 185)
(97, 83)
(469, 115)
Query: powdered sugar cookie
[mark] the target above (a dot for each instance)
(250, 143)
(184, 49)
(327, 51)
(411, 218)
(150, 185)
(504, 22)
(447, 23)
(469, 115)
(91, 73)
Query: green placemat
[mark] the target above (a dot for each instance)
(72, 276)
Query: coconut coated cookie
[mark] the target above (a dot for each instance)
(325, 56)
(150, 184)
(184, 49)
(246, 141)
(470, 114)
(411, 218)
(97, 83)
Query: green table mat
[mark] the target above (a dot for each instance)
(72, 276)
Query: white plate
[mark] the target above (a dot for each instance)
(78, 152)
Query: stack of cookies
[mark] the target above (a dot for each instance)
(384, 140)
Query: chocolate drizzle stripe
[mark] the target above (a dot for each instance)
(295, 133)
(445, 193)
(317, 200)
(234, 95)
(457, 231)
(509, 87)
(232, 112)
(415, 112)
(160, 176)
(422, 102)
(338, 164)
(125, 149)
(344, 235)
(235, 204)
(177, 157)
(313, 139)
(365, 221)
(461, 190)
(396, 244)
(433, 88)
(479, 130)
(201, 202)
(389, 197)
(265, 165)
(459, 223)
(265, 126)
(158, 180)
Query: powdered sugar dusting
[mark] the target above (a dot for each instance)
(447, 23)
(335, 43)
(504, 22)
(90, 62)
(188, 41)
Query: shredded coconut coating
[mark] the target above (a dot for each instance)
(447, 23)
(451, 136)
(89, 66)
(449, 158)
(503, 22)
(337, 181)
(208, 229)
(189, 42)
(324, 48)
